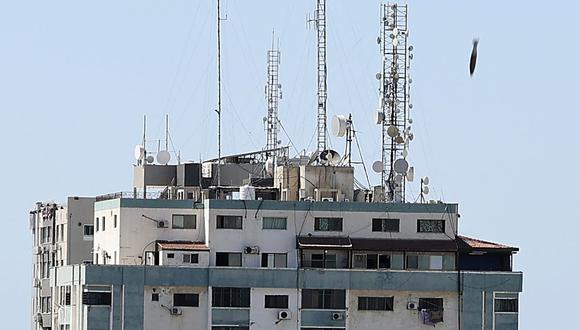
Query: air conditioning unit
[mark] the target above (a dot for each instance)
(337, 316)
(252, 250)
(327, 199)
(162, 224)
(284, 315)
(175, 311)
(412, 305)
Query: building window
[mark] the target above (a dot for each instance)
(115, 221)
(274, 260)
(372, 261)
(170, 255)
(183, 221)
(276, 301)
(228, 259)
(426, 262)
(506, 305)
(432, 304)
(190, 258)
(328, 224)
(97, 224)
(229, 222)
(241, 327)
(65, 295)
(97, 298)
(274, 223)
(230, 297)
(155, 297)
(323, 299)
(386, 225)
(88, 230)
(412, 262)
(186, 300)
(375, 303)
(103, 224)
(430, 226)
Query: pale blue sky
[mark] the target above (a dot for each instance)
(76, 77)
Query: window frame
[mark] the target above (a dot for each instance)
(229, 255)
(225, 222)
(189, 299)
(429, 302)
(381, 225)
(323, 299)
(497, 306)
(332, 224)
(228, 297)
(433, 229)
(183, 222)
(85, 226)
(273, 220)
(276, 301)
(375, 303)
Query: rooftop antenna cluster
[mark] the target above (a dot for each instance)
(394, 105)
(273, 95)
(320, 21)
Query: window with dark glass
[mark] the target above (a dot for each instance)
(103, 224)
(323, 299)
(190, 258)
(372, 261)
(412, 262)
(274, 260)
(432, 304)
(328, 224)
(89, 230)
(186, 299)
(115, 221)
(506, 305)
(230, 297)
(276, 301)
(228, 259)
(386, 225)
(183, 221)
(274, 223)
(170, 255)
(97, 298)
(155, 297)
(229, 222)
(375, 303)
(430, 226)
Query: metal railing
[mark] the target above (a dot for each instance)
(131, 194)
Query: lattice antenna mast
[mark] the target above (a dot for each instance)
(273, 96)
(394, 111)
(320, 21)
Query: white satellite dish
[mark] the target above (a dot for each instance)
(379, 117)
(329, 157)
(425, 190)
(398, 178)
(378, 166)
(163, 157)
(392, 131)
(339, 125)
(411, 174)
(150, 159)
(378, 76)
(139, 152)
(426, 180)
(405, 153)
(401, 166)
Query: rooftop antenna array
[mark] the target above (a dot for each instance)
(320, 21)
(273, 95)
(219, 92)
(393, 114)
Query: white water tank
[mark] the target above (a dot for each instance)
(247, 192)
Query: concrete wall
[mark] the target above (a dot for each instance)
(178, 258)
(266, 318)
(158, 317)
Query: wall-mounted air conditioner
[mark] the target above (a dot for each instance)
(337, 316)
(327, 199)
(162, 224)
(252, 250)
(175, 311)
(284, 315)
(412, 305)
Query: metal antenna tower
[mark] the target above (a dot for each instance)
(394, 101)
(320, 21)
(273, 96)
(219, 93)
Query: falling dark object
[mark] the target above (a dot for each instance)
(473, 59)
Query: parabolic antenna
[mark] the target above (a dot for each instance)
(411, 174)
(399, 139)
(392, 131)
(339, 125)
(163, 157)
(405, 153)
(139, 152)
(150, 159)
(378, 117)
(378, 166)
(401, 166)
(398, 178)
(425, 180)
(425, 190)
(329, 157)
(379, 76)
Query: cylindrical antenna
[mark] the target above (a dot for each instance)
(320, 21)
(166, 132)
(219, 93)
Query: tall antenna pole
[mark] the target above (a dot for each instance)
(273, 96)
(219, 93)
(394, 101)
(166, 132)
(320, 21)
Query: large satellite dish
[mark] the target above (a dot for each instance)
(401, 166)
(392, 131)
(378, 166)
(139, 152)
(339, 125)
(163, 157)
(329, 157)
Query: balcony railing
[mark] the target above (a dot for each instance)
(131, 194)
